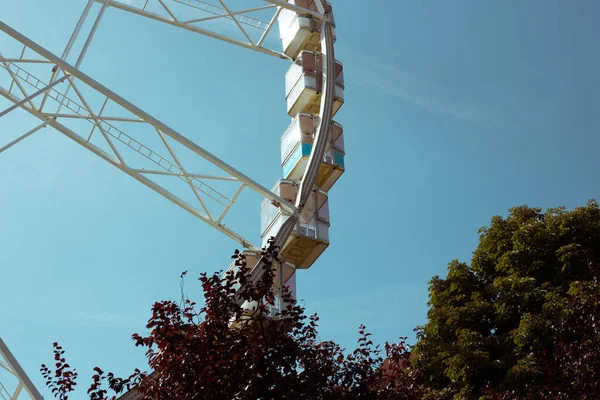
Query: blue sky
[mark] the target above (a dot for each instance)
(455, 111)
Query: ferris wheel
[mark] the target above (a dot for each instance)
(54, 91)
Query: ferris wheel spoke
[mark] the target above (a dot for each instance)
(249, 28)
(129, 139)
(171, 164)
(240, 16)
(137, 174)
(9, 363)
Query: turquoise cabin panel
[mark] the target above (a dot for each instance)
(338, 159)
(306, 149)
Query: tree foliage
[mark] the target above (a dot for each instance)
(218, 351)
(522, 321)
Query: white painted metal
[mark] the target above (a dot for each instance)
(102, 123)
(32, 96)
(326, 108)
(68, 48)
(321, 138)
(328, 82)
(243, 19)
(22, 137)
(110, 133)
(240, 18)
(320, 14)
(91, 34)
(77, 107)
(10, 364)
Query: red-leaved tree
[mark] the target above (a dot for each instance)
(218, 351)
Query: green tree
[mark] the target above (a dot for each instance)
(522, 319)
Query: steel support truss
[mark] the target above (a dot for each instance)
(24, 385)
(121, 149)
(248, 27)
(243, 20)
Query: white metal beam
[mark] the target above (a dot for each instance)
(22, 137)
(300, 10)
(169, 19)
(323, 13)
(81, 109)
(88, 41)
(133, 173)
(240, 16)
(15, 368)
(32, 96)
(223, 10)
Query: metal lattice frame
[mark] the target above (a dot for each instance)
(24, 385)
(78, 108)
(25, 89)
(252, 30)
(244, 21)
(32, 94)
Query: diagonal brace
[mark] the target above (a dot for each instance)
(228, 11)
(285, 205)
(32, 96)
(151, 184)
(22, 137)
